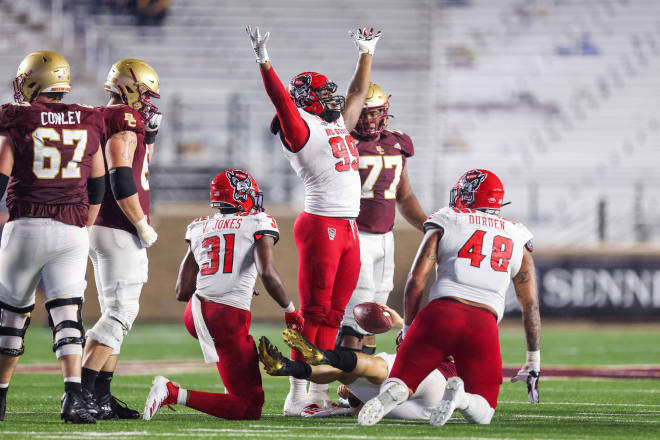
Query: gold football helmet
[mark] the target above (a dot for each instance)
(136, 82)
(41, 72)
(373, 119)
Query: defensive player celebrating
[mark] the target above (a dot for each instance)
(477, 253)
(361, 374)
(385, 183)
(314, 125)
(52, 152)
(217, 276)
(122, 231)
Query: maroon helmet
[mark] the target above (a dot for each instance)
(236, 189)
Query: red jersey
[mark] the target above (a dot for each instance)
(123, 118)
(381, 165)
(53, 148)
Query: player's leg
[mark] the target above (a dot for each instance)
(350, 334)
(383, 281)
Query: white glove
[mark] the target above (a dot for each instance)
(146, 233)
(530, 374)
(365, 40)
(151, 128)
(258, 43)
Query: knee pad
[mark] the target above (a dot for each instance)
(118, 317)
(65, 319)
(14, 321)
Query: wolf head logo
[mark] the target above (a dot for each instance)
(470, 183)
(241, 184)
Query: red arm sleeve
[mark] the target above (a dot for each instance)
(293, 126)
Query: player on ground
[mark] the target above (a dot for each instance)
(314, 125)
(217, 275)
(362, 374)
(122, 231)
(385, 186)
(477, 253)
(52, 152)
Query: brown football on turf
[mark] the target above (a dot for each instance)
(372, 317)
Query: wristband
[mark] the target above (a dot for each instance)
(150, 137)
(141, 224)
(534, 360)
(290, 308)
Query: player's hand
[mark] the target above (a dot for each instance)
(531, 378)
(397, 320)
(146, 233)
(151, 128)
(258, 43)
(365, 40)
(294, 320)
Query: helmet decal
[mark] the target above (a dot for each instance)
(478, 189)
(241, 185)
(469, 184)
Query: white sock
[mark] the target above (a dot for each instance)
(74, 379)
(298, 388)
(477, 410)
(182, 397)
(319, 391)
(4, 385)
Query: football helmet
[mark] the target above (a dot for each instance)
(136, 82)
(478, 189)
(373, 119)
(41, 72)
(306, 91)
(236, 189)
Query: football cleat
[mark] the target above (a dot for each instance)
(112, 408)
(90, 402)
(75, 409)
(294, 407)
(454, 397)
(313, 355)
(161, 393)
(375, 409)
(332, 410)
(274, 362)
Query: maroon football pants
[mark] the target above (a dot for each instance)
(238, 365)
(467, 333)
(328, 270)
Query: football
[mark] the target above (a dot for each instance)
(372, 317)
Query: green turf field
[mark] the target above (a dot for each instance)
(570, 408)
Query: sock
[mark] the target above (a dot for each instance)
(448, 369)
(319, 391)
(299, 369)
(343, 359)
(88, 379)
(3, 389)
(103, 383)
(72, 384)
(477, 410)
(298, 388)
(182, 396)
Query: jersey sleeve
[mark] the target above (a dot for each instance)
(439, 219)
(189, 232)
(266, 225)
(123, 118)
(405, 143)
(525, 236)
(8, 115)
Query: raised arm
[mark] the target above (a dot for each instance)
(426, 257)
(365, 41)
(293, 126)
(526, 291)
(263, 258)
(119, 151)
(408, 204)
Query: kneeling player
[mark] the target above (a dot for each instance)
(217, 278)
(361, 373)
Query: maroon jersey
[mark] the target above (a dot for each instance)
(123, 118)
(381, 165)
(53, 148)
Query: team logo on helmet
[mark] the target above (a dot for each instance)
(300, 90)
(469, 184)
(241, 184)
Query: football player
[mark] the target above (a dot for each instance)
(314, 126)
(122, 231)
(477, 252)
(385, 187)
(226, 252)
(51, 151)
(361, 374)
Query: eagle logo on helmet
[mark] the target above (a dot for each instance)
(469, 185)
(241, 185)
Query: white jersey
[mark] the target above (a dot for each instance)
(328, 165)
(478, 255)
(223, 245)
(427, 396)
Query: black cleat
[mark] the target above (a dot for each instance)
(112, 408)
(91, 404)
(75, 409)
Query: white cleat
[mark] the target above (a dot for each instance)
(453, 397)
(158, 396)
(294, 408)
(375, 409)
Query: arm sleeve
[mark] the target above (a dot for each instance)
(293, 126)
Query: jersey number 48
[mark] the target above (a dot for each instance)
(499, 256)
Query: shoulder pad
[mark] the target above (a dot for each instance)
(404, 141)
